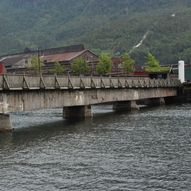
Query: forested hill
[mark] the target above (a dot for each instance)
(117, 26)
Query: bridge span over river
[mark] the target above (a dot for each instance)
(76, 95)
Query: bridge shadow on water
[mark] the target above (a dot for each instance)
(32, 132)
(44, 132)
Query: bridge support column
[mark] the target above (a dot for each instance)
(77, 112)
(162, 101)
(5, 123)
(125, 106)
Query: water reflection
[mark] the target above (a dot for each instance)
(145, 150)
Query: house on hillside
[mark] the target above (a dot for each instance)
(19, 63)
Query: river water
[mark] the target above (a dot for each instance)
(145, 150)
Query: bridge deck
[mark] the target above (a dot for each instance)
(26, 82)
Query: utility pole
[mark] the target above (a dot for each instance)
(39, 64)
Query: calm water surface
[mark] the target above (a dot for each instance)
(146, 150)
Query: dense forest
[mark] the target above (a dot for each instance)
(137, 27)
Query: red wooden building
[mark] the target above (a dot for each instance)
(2, 68)
(118, 70)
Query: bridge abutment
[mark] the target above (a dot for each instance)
(77, 112)
(5, 123)
(125, 106)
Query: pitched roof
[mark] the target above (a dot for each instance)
(68, 51)
(64, 57)
(59, 50)
(10, 60)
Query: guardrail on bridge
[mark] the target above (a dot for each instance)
(26, 82)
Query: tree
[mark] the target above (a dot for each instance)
(127, 63)
(35, 63)
(80, 66)
(104, 65)
(153, 65)
(57, 68)
(152, 61)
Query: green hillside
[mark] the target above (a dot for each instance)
(116, 26)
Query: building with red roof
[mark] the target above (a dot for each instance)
(19, 63)
(67, 58)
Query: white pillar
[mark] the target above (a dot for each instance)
(181, 71)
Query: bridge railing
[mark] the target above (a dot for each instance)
(20, 82)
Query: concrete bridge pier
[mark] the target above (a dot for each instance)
(162, 101)
(5, 123)
(125, 106)
(77, 112)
